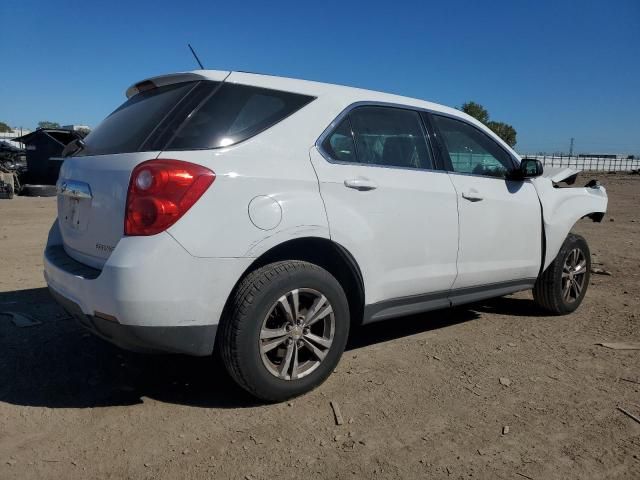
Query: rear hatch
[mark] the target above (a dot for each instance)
(92, 193)
(93, 183)
(193, 113)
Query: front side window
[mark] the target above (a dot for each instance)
(472, 151)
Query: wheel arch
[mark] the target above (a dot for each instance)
(561, 210)
(325, 253)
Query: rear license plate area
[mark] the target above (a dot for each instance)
(74, 204)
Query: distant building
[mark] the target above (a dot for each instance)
(9, 137)
(600, 155)
(77, 128)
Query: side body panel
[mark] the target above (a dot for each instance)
(265, 192)
(403, 233)
(251, 205)
(500, 230)
(562, 208)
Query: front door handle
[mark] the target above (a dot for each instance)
(472, 195)
(361, 184)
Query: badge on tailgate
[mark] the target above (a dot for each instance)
(75, 202)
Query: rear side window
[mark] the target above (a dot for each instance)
(339, 144)
(472, 151)
(382, 136)
(191, 115)
(126, 129)
(233, 114)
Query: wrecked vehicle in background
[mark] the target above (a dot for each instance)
(8, 184)
(12, 167)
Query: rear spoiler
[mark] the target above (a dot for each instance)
(154, 82)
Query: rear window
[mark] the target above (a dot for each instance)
(127, 128)
(233, 114)
(191, 115)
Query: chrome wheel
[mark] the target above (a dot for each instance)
(573, 275)
(297, 333)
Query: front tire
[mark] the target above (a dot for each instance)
(563, 285)
(284, 330)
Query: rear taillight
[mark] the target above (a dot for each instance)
(160, 192)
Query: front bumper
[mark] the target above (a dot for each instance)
(151, 295)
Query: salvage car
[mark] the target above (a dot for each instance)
(262, 217)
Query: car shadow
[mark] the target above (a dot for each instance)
(57, 364)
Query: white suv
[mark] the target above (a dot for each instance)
(264, 216)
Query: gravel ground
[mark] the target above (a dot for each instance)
(422, 396)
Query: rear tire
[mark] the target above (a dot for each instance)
(38, 190)
(270, 340)
(563, 285)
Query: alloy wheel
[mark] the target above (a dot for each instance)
(297, 333)
(573, 275)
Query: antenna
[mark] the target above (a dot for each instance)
(195, 56)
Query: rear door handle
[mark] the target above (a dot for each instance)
(472, 195)
(361, 184)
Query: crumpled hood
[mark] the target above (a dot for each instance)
(560, 174)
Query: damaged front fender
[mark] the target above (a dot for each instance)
(563, 207)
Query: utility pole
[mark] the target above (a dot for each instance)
(571, 147)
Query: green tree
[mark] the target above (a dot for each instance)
(47, 124)
(4, 128)
(505, 131)
(476, 110)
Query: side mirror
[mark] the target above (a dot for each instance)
(529, 168)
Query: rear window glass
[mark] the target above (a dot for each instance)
(391, 137)
(233, 114)
(384, 136)
(191, 115)
(126, 129)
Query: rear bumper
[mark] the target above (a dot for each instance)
(195, 340)
(151, 295)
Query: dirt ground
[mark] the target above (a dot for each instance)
(421, 396)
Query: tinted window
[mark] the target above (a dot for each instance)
(234, 113)
(128, 127)
(472, 151)
(171, 124)
(390, 137)
(339, 144)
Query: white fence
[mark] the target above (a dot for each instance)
(596, 164)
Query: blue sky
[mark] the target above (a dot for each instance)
(553, 69)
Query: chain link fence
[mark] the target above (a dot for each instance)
(593, 164)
